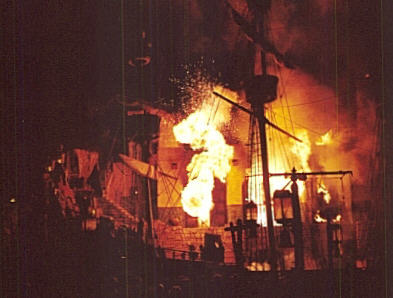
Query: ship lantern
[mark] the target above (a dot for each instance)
(251, 212)
(283, 211)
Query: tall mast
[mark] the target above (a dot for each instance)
(260, 89)
(260, 111)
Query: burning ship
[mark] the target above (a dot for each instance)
(183, 180)
(229, 178)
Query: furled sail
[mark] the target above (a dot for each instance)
(143, 168)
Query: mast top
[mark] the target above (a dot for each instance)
(261, 89)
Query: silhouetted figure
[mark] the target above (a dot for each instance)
(83, 199)
(57, 174)
(237, 240)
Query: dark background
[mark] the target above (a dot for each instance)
(63, 60)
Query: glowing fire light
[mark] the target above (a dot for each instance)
(302, 150)
(256, 266)
(299, 152)
(323, 191)
(318, 217)
(200, 132)
(338, 218)
(325, 139)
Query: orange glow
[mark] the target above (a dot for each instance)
(302, 150)
(323, 190)
(298, 154)
(319, 218)
(256, 266)
(338, 218)
(199, 130)
(325, 139)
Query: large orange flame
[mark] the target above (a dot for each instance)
(200, 132)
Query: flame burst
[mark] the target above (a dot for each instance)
(199, 130)
(325, 139)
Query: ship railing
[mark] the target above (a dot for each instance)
(177, 254)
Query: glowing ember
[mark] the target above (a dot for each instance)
(323, 191)
(338, 218)
(256, 266)
(200, 132)
(318, 217)
(325, 139)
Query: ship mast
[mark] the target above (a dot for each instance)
(260, 89)
(260, 112)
